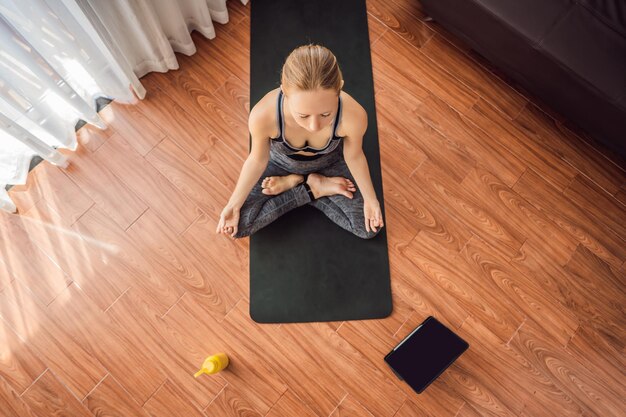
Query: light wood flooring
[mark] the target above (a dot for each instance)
(502, 222)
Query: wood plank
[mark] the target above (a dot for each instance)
(238, 8)
(229, 403)
(109, 193)
(82, 259)
(374, 342)
(11, 405)
(541, 128)
(468, 411)
(598, 275)
(496, 157)
(175, 358)
(598, 203)
(475, 214)
(370, 385)
(455, 276)
(415, 406)
(415, 66)
(409, 409)
(209, 73)
(393, 142)
(24, 196)
(41, 213)
(228, 52)
(621, 196)
(589, 306)
(603, 242)
(413, 138)
(5, 276)
(169, 401)
(398, 84)
(424, 296)
(49, 397)
(423, 214)
(206, 107)
(130, 120)
(103, 339)
(319, 389)
(290, 405)
(160, 80)
(237, 12)
(220, 160)
(350, 407)
(92, 137)
(541, 158)
(19, 363)
(519, 290)
(520, 214)
(146, 182)
(235, 94)
(375, 28)
(600, 357)
(403, 215)
(416, 9)
(400, 21)
(413, 7)
(568, 373)
(240, 31)
(249, 370)
(111, 399)
(181, 261)
(587, 141)
(401, 227)
(226, 254)
(479, 371)
(37, 271)
(60, 193)
(416, 135)
(196, 182)
(189, 132)
(482, 82)
(128, 261)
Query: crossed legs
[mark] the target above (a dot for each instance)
(279, 191)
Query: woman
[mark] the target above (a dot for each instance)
(306, 149)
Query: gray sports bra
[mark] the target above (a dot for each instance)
(287, 149)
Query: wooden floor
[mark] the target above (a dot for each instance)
(501, 221)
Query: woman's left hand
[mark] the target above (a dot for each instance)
(373, 215)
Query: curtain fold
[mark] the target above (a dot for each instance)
(58, 56)
(148, 32)
(51, 73)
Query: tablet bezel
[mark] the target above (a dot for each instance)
(422, 325)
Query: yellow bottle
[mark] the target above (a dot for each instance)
(213, 364)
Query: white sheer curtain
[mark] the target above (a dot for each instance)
(148, 32)
(51, 71)
(58, 56)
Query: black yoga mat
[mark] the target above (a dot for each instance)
(303, 267)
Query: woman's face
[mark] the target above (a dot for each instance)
(312, 110)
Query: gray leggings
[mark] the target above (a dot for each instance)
(259, 209)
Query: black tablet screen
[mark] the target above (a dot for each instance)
(425, 353)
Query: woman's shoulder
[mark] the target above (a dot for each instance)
(353, 116)
(263, 115)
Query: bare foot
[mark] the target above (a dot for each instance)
(322, 186)
(277, 185)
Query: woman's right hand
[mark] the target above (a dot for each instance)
(229, 220)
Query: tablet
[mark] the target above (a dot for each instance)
(425, 353)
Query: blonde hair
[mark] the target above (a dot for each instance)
(311, 67)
